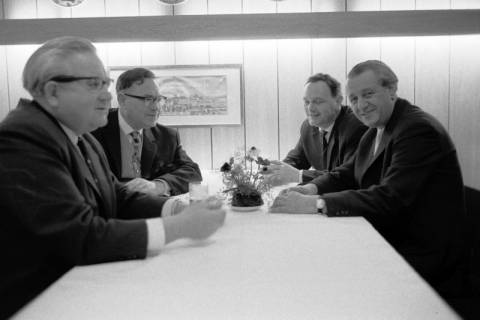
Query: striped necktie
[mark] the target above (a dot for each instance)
(136, 156)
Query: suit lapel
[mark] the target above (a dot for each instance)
(149, 149)
(112, 142)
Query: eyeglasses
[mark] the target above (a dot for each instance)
(148, 100)
(93, 83)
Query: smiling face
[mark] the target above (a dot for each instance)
(372, 103)
(77, 104)
(135, 111)
(320, 106)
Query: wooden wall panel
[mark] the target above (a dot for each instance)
(20, 9)
(154, 8)
(328, 5)
(259, 6)
(191, 7)
(465, 105)
(397, 5)
(294, 67)
(363, 5)
(432, 4)
(224, 6)
(261, 103)
(121, 8)
(89, 9)
(294, 6)
(4, 99)
(329, 56)
(399, 54)
(361, 49)
(227, 139)
(465, 4)
(196, 141)
(17, 56)
(432, 64)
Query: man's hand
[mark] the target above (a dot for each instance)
(197, 221)
(308, 189)
(278, 173)
(145, 186)
(294, 202)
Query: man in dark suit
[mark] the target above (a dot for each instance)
(405, 180)
(159, 164)
(328, 137)
(60, 204)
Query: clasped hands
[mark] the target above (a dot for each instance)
(299, 199)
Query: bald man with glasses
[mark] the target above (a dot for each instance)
(145, 154)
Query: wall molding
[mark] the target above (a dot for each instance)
(245, 26)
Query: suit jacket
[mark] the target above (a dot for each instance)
(411, 191)
(162, 154)
(54, 216)
(346, 133)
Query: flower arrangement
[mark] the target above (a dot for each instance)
(244, 180)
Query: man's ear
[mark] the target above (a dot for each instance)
(393, 91)
(51, 93)
(120, 99)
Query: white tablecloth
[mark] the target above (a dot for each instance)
(258, 266)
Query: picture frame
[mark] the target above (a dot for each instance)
(198, 95)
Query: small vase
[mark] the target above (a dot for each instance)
(252, 198)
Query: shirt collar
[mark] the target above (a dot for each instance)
(126, 128)
(70, 134)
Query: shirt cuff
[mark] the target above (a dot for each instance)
(300, 176)
(156, 236)
(165, 186)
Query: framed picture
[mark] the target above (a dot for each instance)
(202, 95)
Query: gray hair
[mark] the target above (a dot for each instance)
(385, 75)
(48, 61)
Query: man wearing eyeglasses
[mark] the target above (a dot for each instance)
(146, 154)
(60, 204)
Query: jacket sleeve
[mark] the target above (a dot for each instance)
(415, 155)
(184, 170)
(296, 157)
(41, 196)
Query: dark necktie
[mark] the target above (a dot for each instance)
(325, 149)
(136, 156)
(88, 160)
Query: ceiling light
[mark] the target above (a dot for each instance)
(172, 1)
(68, 3)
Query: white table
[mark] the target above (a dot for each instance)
(258, 266)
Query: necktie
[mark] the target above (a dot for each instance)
(136, 156)
(378, 138)
(325, 149)
(88, 160)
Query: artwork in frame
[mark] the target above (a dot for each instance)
(202, 95)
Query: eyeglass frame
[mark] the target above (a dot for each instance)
(148, 100)
(99, 86)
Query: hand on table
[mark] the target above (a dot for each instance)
(145, 186)
(197, 221)
(278, 173)
(289, 201)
